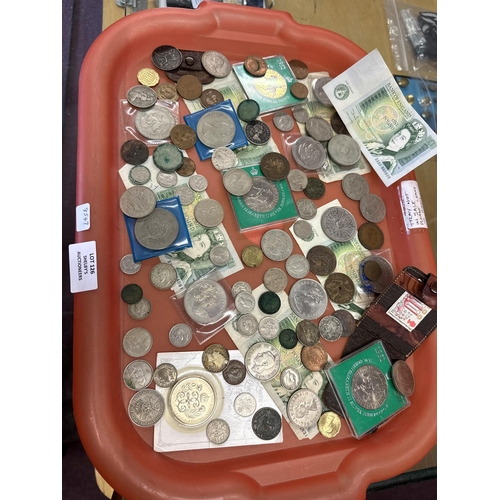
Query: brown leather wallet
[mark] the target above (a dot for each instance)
(402, 316)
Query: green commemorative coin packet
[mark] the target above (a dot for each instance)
(271, 91)
(364, 387)
(267, 202)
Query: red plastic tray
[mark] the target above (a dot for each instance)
(342, 467)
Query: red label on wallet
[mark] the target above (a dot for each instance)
(408, 311)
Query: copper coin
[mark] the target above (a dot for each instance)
(314, 357)
(299, 68)
(255, 65)
(347, 320)
(167, 92)
(339, 288)
(299, 90)
(210, 97)
(134, 152)
(182, 136)
(252, 256)
(402, 377)
(372, 270)
(202, 75)
(370, 236)
(275, 166)
(322, 260)
(235, 372)
(189, 87)
(315, 188)
(187, 168)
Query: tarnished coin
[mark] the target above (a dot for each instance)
(329, 424)
(304, 408)
(198, 183)
(157, 230)
(237, 181)
(154, 123)
(215, 358)
(189, 87)
(276, 245)
(299, 68)
(168, 157)
(320, 94)
(257, 132)
(266, 423)
(209, 212)
(402, 377)
(146, 407)
(138, 201)
(217, 431)
(300, 114)
(247, 324)
(128, 266)
(322, 260)
(339, 224)
(235, 372)
(215, 129)
(205, 301)
(372, 270)
(340, 288)
(308, 299)
(166, 179)
(134, 152)
(275, 280)
(355, 186)
(264, 195)
(216, 64)
(297, 180)
(219, 255)
(185, 193)
(262, 361)
(240, 286)
(138, 374)
(252, 256)
(347, 320)
(269, 302)
(275, 166)
(255, 65)
(307, 332)
(308, 153)
(244, 302)
(338, 125)
(297, 266)
(372, 208)
(319, 129)
(315, 188)
(307, 209)
(187, 168)
(290, 378)
(224, 158)
(299, 90)
(245, 404)
(248, 110)
(288, 338)
(283, 121)
(131, 293)
(148, 76)
(330, 328)
(369, 387)
(142, 96)
(180, 335)
(166, 57)
(344, 150)
(139, 175)
(165, 375)
(137, 342)
(210, 97)
(314, 357)
(371, 236)
(140, 310)
(204, 76)
(386, 276)
(303, 229)
(167, 92)
(183, 136)
(163, 276)
(269, 328)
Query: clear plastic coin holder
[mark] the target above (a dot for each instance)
(377, 285)
(183, 239)
(239, 140)
(207, 305)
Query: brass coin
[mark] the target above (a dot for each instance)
(322, 260)
(148, 76)
(299, 90)
(187, 168)
(182, 136)
(189, 87)
(314, 357)
(372, 270)
(315, 188)
(370, 236)
(275, 166)
(402, 377)
(299, 68)
(167, 92)
(339, 288)
(255, 65)
(210, 97)
(215, 358)
(252, 256)
(329, 424)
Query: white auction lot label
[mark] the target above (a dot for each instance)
(83, 266)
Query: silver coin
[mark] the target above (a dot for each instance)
(216, 64)
(137, 342)
(146, 408)
(245, 404)
(275, 280)
(276, 245)
(297, 180)
(209, 212)
(283, 121)
(198, 183)
(264, 195)
(138, 374)
(163, 276)
(303, 229)
(215, 129)
(308, 299)
(344, 150)
(290, 378)
(300, 114)
(142, 96)
(304, 408)
(140, 310)
(307, 208)
(320, 94)
(186, 194)
(257, 132)
(155, 123)
(263, 361)
(372, 208)
(369, 387)
(238, 182)
(309, 153)
(319, 129)
(224, 158)
(157, 230)
(217, 431)
(165, 375)
(385, 278)
(297, 266)
(139, 175)
(269, 328)
(355, 186)
(180, 335)
(244, 302)
(219, 255)
(240, 286)
(166, 179)
(330, 328)
(339, 224)
(128, 266)
(247, 324)
(205, 301)
(138, 201)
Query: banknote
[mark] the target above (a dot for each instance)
(252, 154)
(391, 134)
(316, 381)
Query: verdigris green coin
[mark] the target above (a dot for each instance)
(269, 302)
(248, 110)
(288, 338)
(168, 157)
(131, 293)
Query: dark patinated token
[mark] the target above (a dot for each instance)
(187, 168)
(248, 110)
(166, 57)
(257, 132)
(204, 76)
(307, 332)
(183, 136)
(210, 97)
(322, 260)
(189, 87)
(266, 423)
(330, 400)
(131, 293)
(339, 288)
(269, 302)
(338, 125)
(167, 157)
(299, 90)
(370, 236)
(299, 68)
(275, 166)
(255, 65)
(402, 377)
(134, 152)
(315, 188)
(347, 320)
(235, 372)
(288, 338)
(372, 270)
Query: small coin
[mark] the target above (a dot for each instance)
(168, 157)
(299, 90)
(304, 408)
(303, 229)
(347, 320)
(134, 152)
(369, 387)
(247, 324)
(210, 97)
(167, 92)
(216, 64)
(266, 423)
(128, 266)
(252, 256)
(297, 180)
(187, 168)
(315, 188)
(139, 175)
(131, 293)
(146, 407)
(372, 208)
(224, 158)
(244, 404)
(386, 276)
(268, 328)
(320, 93)
(308, 153)
(165, 375)
(329, 424)
(372, 270)
(355, 186)
(219, 255)
(255, 65)
(370, 236)
(262, 360)
(269, 302)
(299, 68)
(209, 212)
(235, 372)
(257, 132)
(141, 96)
(189, 87)
(137, 342)
(218, 431)
(402, 377)
(307, 332)
(344, 150)
(300, 114)
(138, 201)
(297, 266)
(306, 208)
(288, 338)
(158, 230)
(183, 136)
(283, 121)
(290, 378)
(322, 260)
(180, 335)
(138, 374)
(248, 110)
(244, 302)
(186, 194)
(276, 245)
(163, 276)
(319, 129)
(275, 280)
(240, 286)
(330, 328)
(198, 183)
(340, 288)
(215, 129)
(148, 76)
(166, 179)
(140, 310)
(314, 357)
(215, 358)
(166, 58)
(237, 181)
(154, 123)
(308, 299)
(275, 166)
(339, 224)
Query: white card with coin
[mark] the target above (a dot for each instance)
(171, 437)
(83, 266)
